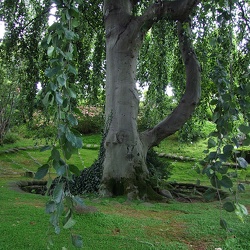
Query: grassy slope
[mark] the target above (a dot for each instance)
(117, 224)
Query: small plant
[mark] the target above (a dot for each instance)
(10, 138)
(90, 124)
(159, 169)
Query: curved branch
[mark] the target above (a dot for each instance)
(190, 99)
(178, 10)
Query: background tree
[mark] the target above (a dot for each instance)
(8, 97)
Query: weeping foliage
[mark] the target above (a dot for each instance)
(25, 26)
(155, 71)
(221, 35)
(25, 21)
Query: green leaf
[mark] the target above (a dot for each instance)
(71, 93)
(229, 206)
(214, 134)
(212, 155)
(58, 164)
(50, 207)
(244, 129)
(55, 164)
(55, 26)
(66, 104)
(223, 224)
(78, 201)
(48, 185)
(78, 143)
(215, 181)
(198, 170)
(54, 219)
(223, 169)
(207, 170)
(49, 39)
(211, 143)
(55, 154)
(69, 203)
(68, 56)
(75, 23)
(73, 121)
(68, 150)
(74, 169)
(223, 157)
(45, 100)
(53, 86)
(61, 170)
(241, 211)
(70, 137)
(241, 188)
(60, 208)
(42, 171)
(246, 142)
(226, 182)
(228, 149)
(70, 223)
(67, 14)
(242, 162)
(61, 79)
(72, 69)
(50, 51)
(216, 165)
(210, 194)
(62, 128)
(57, 229)
(74, 12)
(69, 35)
(58, 192)
(52, 71)
(59, 99)
(77, 241)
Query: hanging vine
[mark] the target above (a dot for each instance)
(60, 96)
(228, 115)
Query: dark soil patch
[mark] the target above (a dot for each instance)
(34, 187)
(182, 192)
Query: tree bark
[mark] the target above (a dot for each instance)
(124, 167)
(191, 97)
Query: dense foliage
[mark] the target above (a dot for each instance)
(221, 32)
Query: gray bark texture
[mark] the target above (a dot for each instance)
(124, 168)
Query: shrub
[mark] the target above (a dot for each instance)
(90, 124)
(10, 138)
(191, 132)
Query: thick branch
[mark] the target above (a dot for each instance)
(178, 10)
(190, 98)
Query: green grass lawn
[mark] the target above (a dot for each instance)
(117, 224)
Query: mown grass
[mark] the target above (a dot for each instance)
(117, 224)
(173, 146)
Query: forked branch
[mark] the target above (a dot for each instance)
(191, 97)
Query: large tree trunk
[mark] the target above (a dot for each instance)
(125, 155)
(124, 167)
